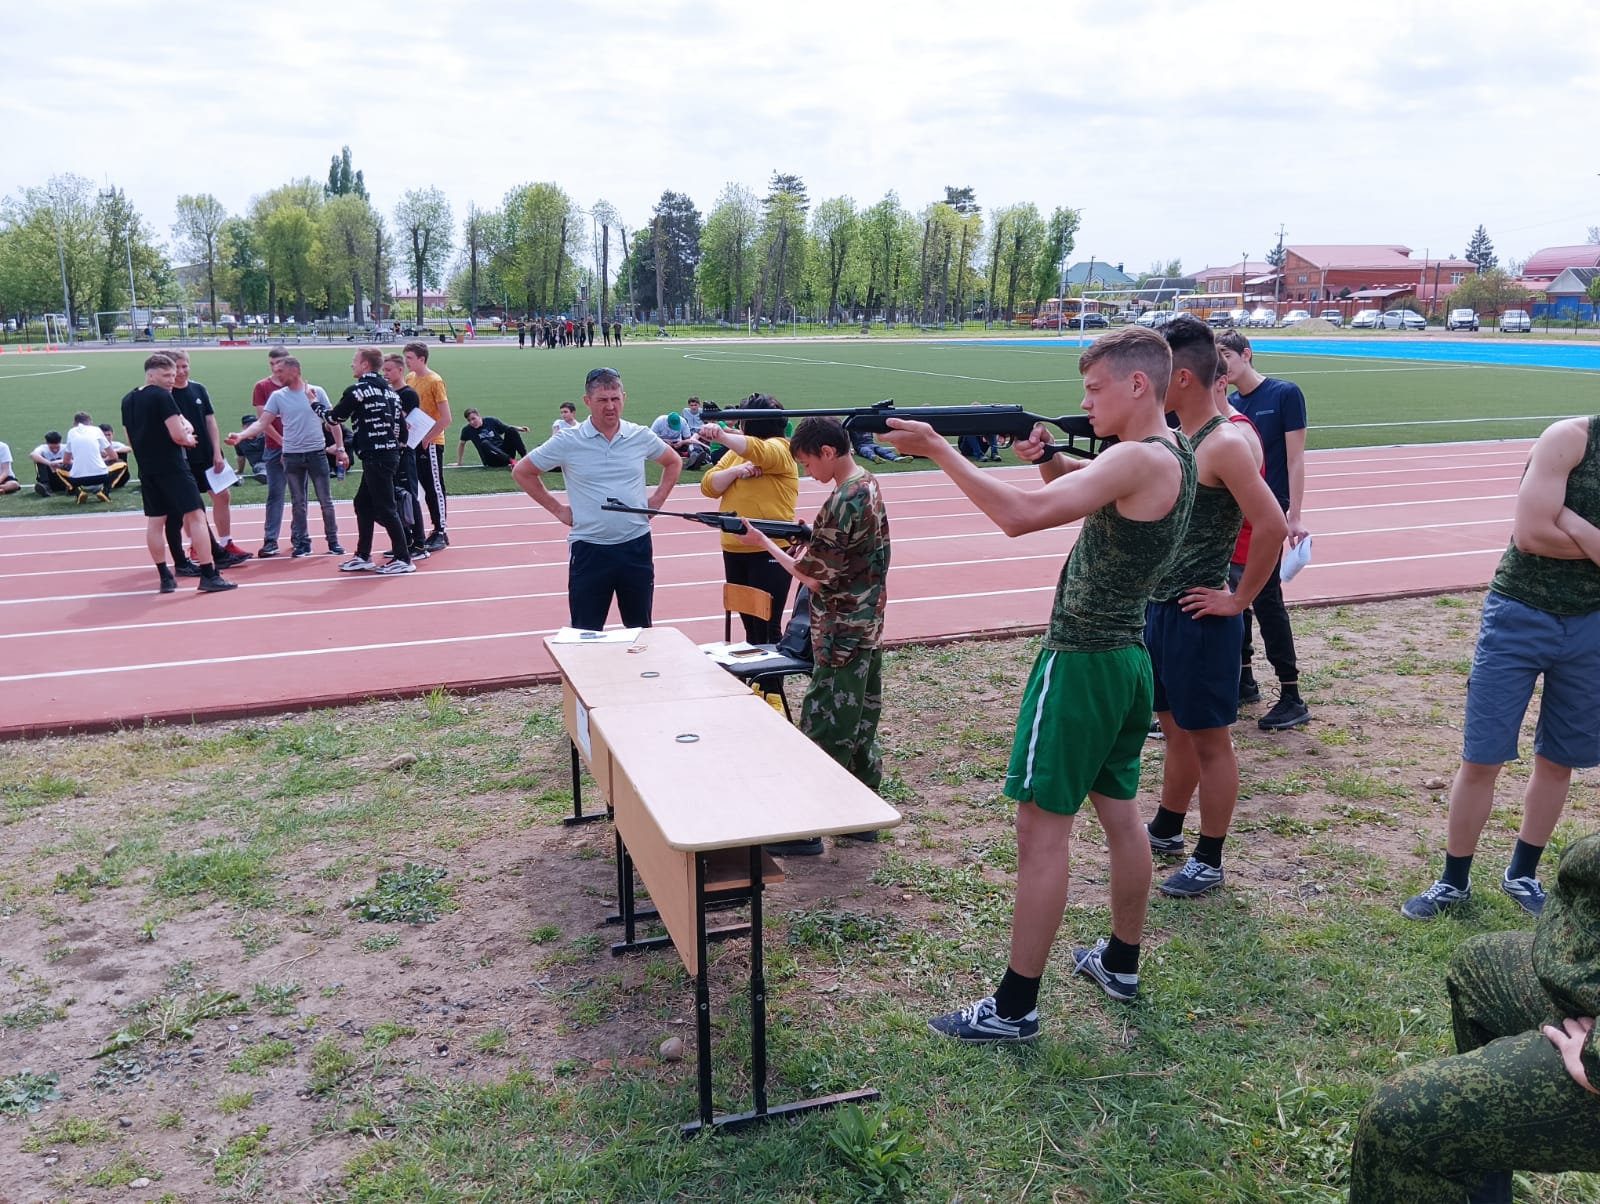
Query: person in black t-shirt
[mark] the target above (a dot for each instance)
(406, 484)
(499, 445)
(158, 434)
(374, 410)
(194, 403)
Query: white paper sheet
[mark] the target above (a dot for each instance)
(1295, 559)
(575, 635)
(582, 715)
(223, 479)
(418, 424)
(739, 653)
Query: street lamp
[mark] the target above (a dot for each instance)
(61, 254)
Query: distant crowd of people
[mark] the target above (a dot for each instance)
(566, 332)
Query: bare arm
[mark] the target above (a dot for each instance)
(1542, 494)
(731, 437)
(442, 422)
(529, 479)
(1294, 443)
(671, 468)
(461, 450)
(217, 460)
(176, 428)
(1237, 469)
(1118, 473)
(1033, 448)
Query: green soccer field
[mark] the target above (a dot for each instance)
(1353, 402)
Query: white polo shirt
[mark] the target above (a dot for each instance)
(88, 446)
(596, 468)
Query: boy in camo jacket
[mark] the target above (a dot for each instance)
(1520, 1094)
(846, 567)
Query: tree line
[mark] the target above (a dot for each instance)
(314, 247)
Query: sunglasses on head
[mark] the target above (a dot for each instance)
(601, 374)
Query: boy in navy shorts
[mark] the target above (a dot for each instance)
(1086, 708)
(1194, 623)
(1541, 618)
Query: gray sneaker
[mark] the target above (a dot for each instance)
(1124, 988)
(1194, 879)
(1435, 901)
(1170, 845)
(1527, 892)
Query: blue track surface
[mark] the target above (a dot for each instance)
(1581, 357)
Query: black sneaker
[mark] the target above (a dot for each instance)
(169, 585)
(979, 1024)
(1285, 714)
(1155, 732)
(302, 550)
(230, 560)
(1170, 845)
(216, 584)
(1435, 901)
(187, 568)
(41, 489)
(268, 549)
(1196, 878)
(1249, 690)
(797, 848)
(1124, 988)
(336, 548)
(437, 542)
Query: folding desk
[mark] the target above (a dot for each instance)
(771, 784)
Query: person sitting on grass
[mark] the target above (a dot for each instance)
(1520, 1093)
(250, 453)
(8, 480)
(50, 468)
(84, 459)
(499, 445)
(117, 458)
(674, 432)
(864, 447)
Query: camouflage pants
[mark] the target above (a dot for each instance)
(1436, 1132)
(839, 713)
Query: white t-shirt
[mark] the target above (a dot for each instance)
(561, 426)
(5, 459)
(88, 446)
(44, 452)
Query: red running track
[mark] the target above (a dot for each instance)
(87, 643)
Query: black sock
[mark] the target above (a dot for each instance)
(1246, 674)
(208, 570)
(1208, 851)
(1120, 957)
(1457, 871)
(1166, 823)
(1289, 691)
(165, 570)
(1525, 860)
(1016, 995)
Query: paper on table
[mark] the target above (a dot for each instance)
(418, 424)
(739, 653)
(581, 714)
(576, 635)
(221, 479)
(1295, 559)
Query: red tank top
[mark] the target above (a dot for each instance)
(1242, 549)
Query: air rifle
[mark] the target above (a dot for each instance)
(950, 421)
(730, 523)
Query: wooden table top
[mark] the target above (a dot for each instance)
(609, 674)
(747, 777)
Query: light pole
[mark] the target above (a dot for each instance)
(61, 254)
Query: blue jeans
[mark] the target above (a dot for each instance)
(298, 469)
(272, 523)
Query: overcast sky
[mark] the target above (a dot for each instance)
(1187, 130)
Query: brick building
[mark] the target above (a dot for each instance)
(1364, 277)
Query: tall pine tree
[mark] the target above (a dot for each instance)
(1480, 251)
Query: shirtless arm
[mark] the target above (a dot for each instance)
(1541, 524)
(1237, 469)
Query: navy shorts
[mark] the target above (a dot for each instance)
(170, 493)
(1196, 664)
(1516, 644)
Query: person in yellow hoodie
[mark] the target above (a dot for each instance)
(755, 478)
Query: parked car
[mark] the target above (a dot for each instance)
(1155, 319)
(1221, 319)
(1516, 321)
(1332, 317)
(1462, 319)
(1126, 315)
(1367, 319)
(1295, 316)
(1402, 319)
(1262, 317)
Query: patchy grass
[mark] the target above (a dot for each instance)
(261, 1057)
(413, 894)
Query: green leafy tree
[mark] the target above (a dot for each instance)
(1491, 292)
(727, 251)
(344, 236)
(889, 235)
(288, 244)
(1480, 251)
(30, 257)
(342, 181)
(424, 224)
(533, 246)
(199, 234)
(1023, 232)
(835, 232)
(246, 271)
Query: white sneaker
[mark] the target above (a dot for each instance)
(357, 564)
(396, 567)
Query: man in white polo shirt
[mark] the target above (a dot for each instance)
(603, 457)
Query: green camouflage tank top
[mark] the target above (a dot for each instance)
(1214, 524)
(1105, 584)
(1560, 587)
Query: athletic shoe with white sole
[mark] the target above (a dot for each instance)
(1124, 988)
(1435, 901)
(1527, 892)
(1169, 845)
(979, 1024)
(396, 568)
(357, 564)
(1194, 879)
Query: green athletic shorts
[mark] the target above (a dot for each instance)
(1084, 719)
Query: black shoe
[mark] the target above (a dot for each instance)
(797, 848)
(41, 489)
(336, 548)
(169, 585)
(268, 549)
(230, 560)
(437, 542)
(216, 584)
(302, 550)
(1249, 691)
(875, 834)
(1285, 714)
(187, 568)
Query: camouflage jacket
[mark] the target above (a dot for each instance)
(848, 557)
(1566, 942)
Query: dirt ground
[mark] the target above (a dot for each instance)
(491, 986)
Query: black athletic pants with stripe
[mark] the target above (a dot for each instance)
(430, 468)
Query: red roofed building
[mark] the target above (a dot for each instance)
(1370, 277)
(1549, 263)
(1229, 278)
